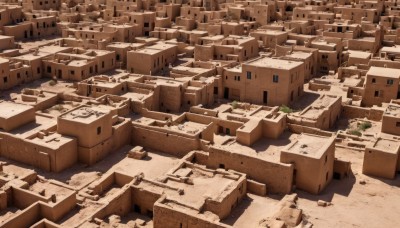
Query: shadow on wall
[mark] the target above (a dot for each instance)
(342, 187)
(306, 99)
(239, 210)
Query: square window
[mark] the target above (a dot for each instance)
(390, 81)
(373, 80)
(376, 93)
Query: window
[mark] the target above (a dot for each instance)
(98, 130)
(390, 81)
(102, 64)
(376, 93)
(5, 79)
(18, 75)
(72, 72)
(38, 70)
(373, 80)
(49, 69)
(397, 124)
(275, 78)
(249, 75)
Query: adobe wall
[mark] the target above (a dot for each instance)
(250, 132)
(232, 125)
(17, 120)
(24, 198)
(94, 154)
(120, 204)
(144, 199)
(166, 216)
(56, 211)
(229, 200)
(166, 142)
(39, 156)
(25, 218)
(271, 129)
(298, 129)
(121, 135)
(276, 176)
(44, 223)
(256, 188)
(353, 112)
(203, 111)
(379, 164)
(389, 125)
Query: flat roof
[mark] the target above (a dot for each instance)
(386, 145)
(274, 63)
(84, 114)
(391, 49)
(384, 72)
(309, 145)
(53, 49)
(393, 110)
(32, 56)
(3, 60)
(10, 109)
(359, 54)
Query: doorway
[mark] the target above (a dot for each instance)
(265, 97)
(226, 93)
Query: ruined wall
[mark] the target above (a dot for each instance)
(277, 176)
(25, 218)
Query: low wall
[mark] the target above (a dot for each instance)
(310, 130)
(278, 177)
(166, 142)
(353, 112)
(179, 216)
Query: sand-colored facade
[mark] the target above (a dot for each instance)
(199, 113)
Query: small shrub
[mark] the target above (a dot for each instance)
(234, 104)
(364, 126)
(355, 132)
(52, 82)
(285, 109)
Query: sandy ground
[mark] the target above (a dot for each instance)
(375, 204)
